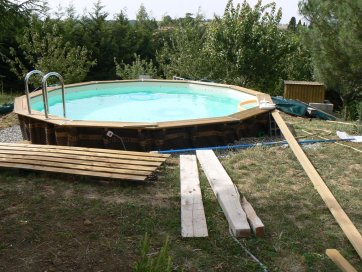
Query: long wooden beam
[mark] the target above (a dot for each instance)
(225, 192)
(339, 214)
(193, 220)
(340, 261)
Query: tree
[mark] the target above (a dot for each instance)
(143, 29)
(13, 19)
(97, 38)
(47, 51)
(11, 10)
(335, 41)
(292, 26)
(298, 60)
(182, 52)
(122, 34)
(136, 69)
(247, 47)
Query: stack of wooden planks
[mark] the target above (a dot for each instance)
(105, 163)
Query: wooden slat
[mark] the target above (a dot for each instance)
(95, 154)
(191, 122)
(75, 166)
(72, 171)
(43, 157)
(98, 150)
(254, 220)
(339, 214)
(246, 114)
(225, 192)
(193, 221)
(80, 157)
(340, 261)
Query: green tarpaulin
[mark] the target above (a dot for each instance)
(298, 108)
(6, 108)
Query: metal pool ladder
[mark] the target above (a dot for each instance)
(27, 77)
(45, 92)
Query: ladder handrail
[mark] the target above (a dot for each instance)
(45, 92)
(26, 81)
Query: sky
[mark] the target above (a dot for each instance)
(173, 8)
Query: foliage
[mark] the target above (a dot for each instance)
(298, 60)
(292, 26)
(335, 41)
(138, 68)
(97, 38)
(46, 50)
(143, 31)
(14, 18)
(247, 47)
(11, 10)
(162, 262)
(182, 51)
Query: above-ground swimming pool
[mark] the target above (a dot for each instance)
(144, 115)
(145, 102)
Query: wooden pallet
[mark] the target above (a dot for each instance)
(106, 163)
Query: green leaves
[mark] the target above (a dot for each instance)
(48, 52)
(247, 46)
(136, 69)
(244, 47)
(335, 41)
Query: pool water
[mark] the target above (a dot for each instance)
(144, 102)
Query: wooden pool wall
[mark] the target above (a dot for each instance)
(144, 136)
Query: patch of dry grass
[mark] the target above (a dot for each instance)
(63, 223)
(8, 120)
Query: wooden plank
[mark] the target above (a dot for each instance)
(192, 122)
(44, 157)
(95, 154)
(72, 171)
(81, 157)
(193, 221)
(340, 261)
(225, 192)
(341, 217)
(256, 225)
(266, 97)
(250, 113)
(76, 166)
(98, 150)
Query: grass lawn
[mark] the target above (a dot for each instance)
(68, 223)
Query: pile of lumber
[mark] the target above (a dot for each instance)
(238, 212)
(104, 163)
